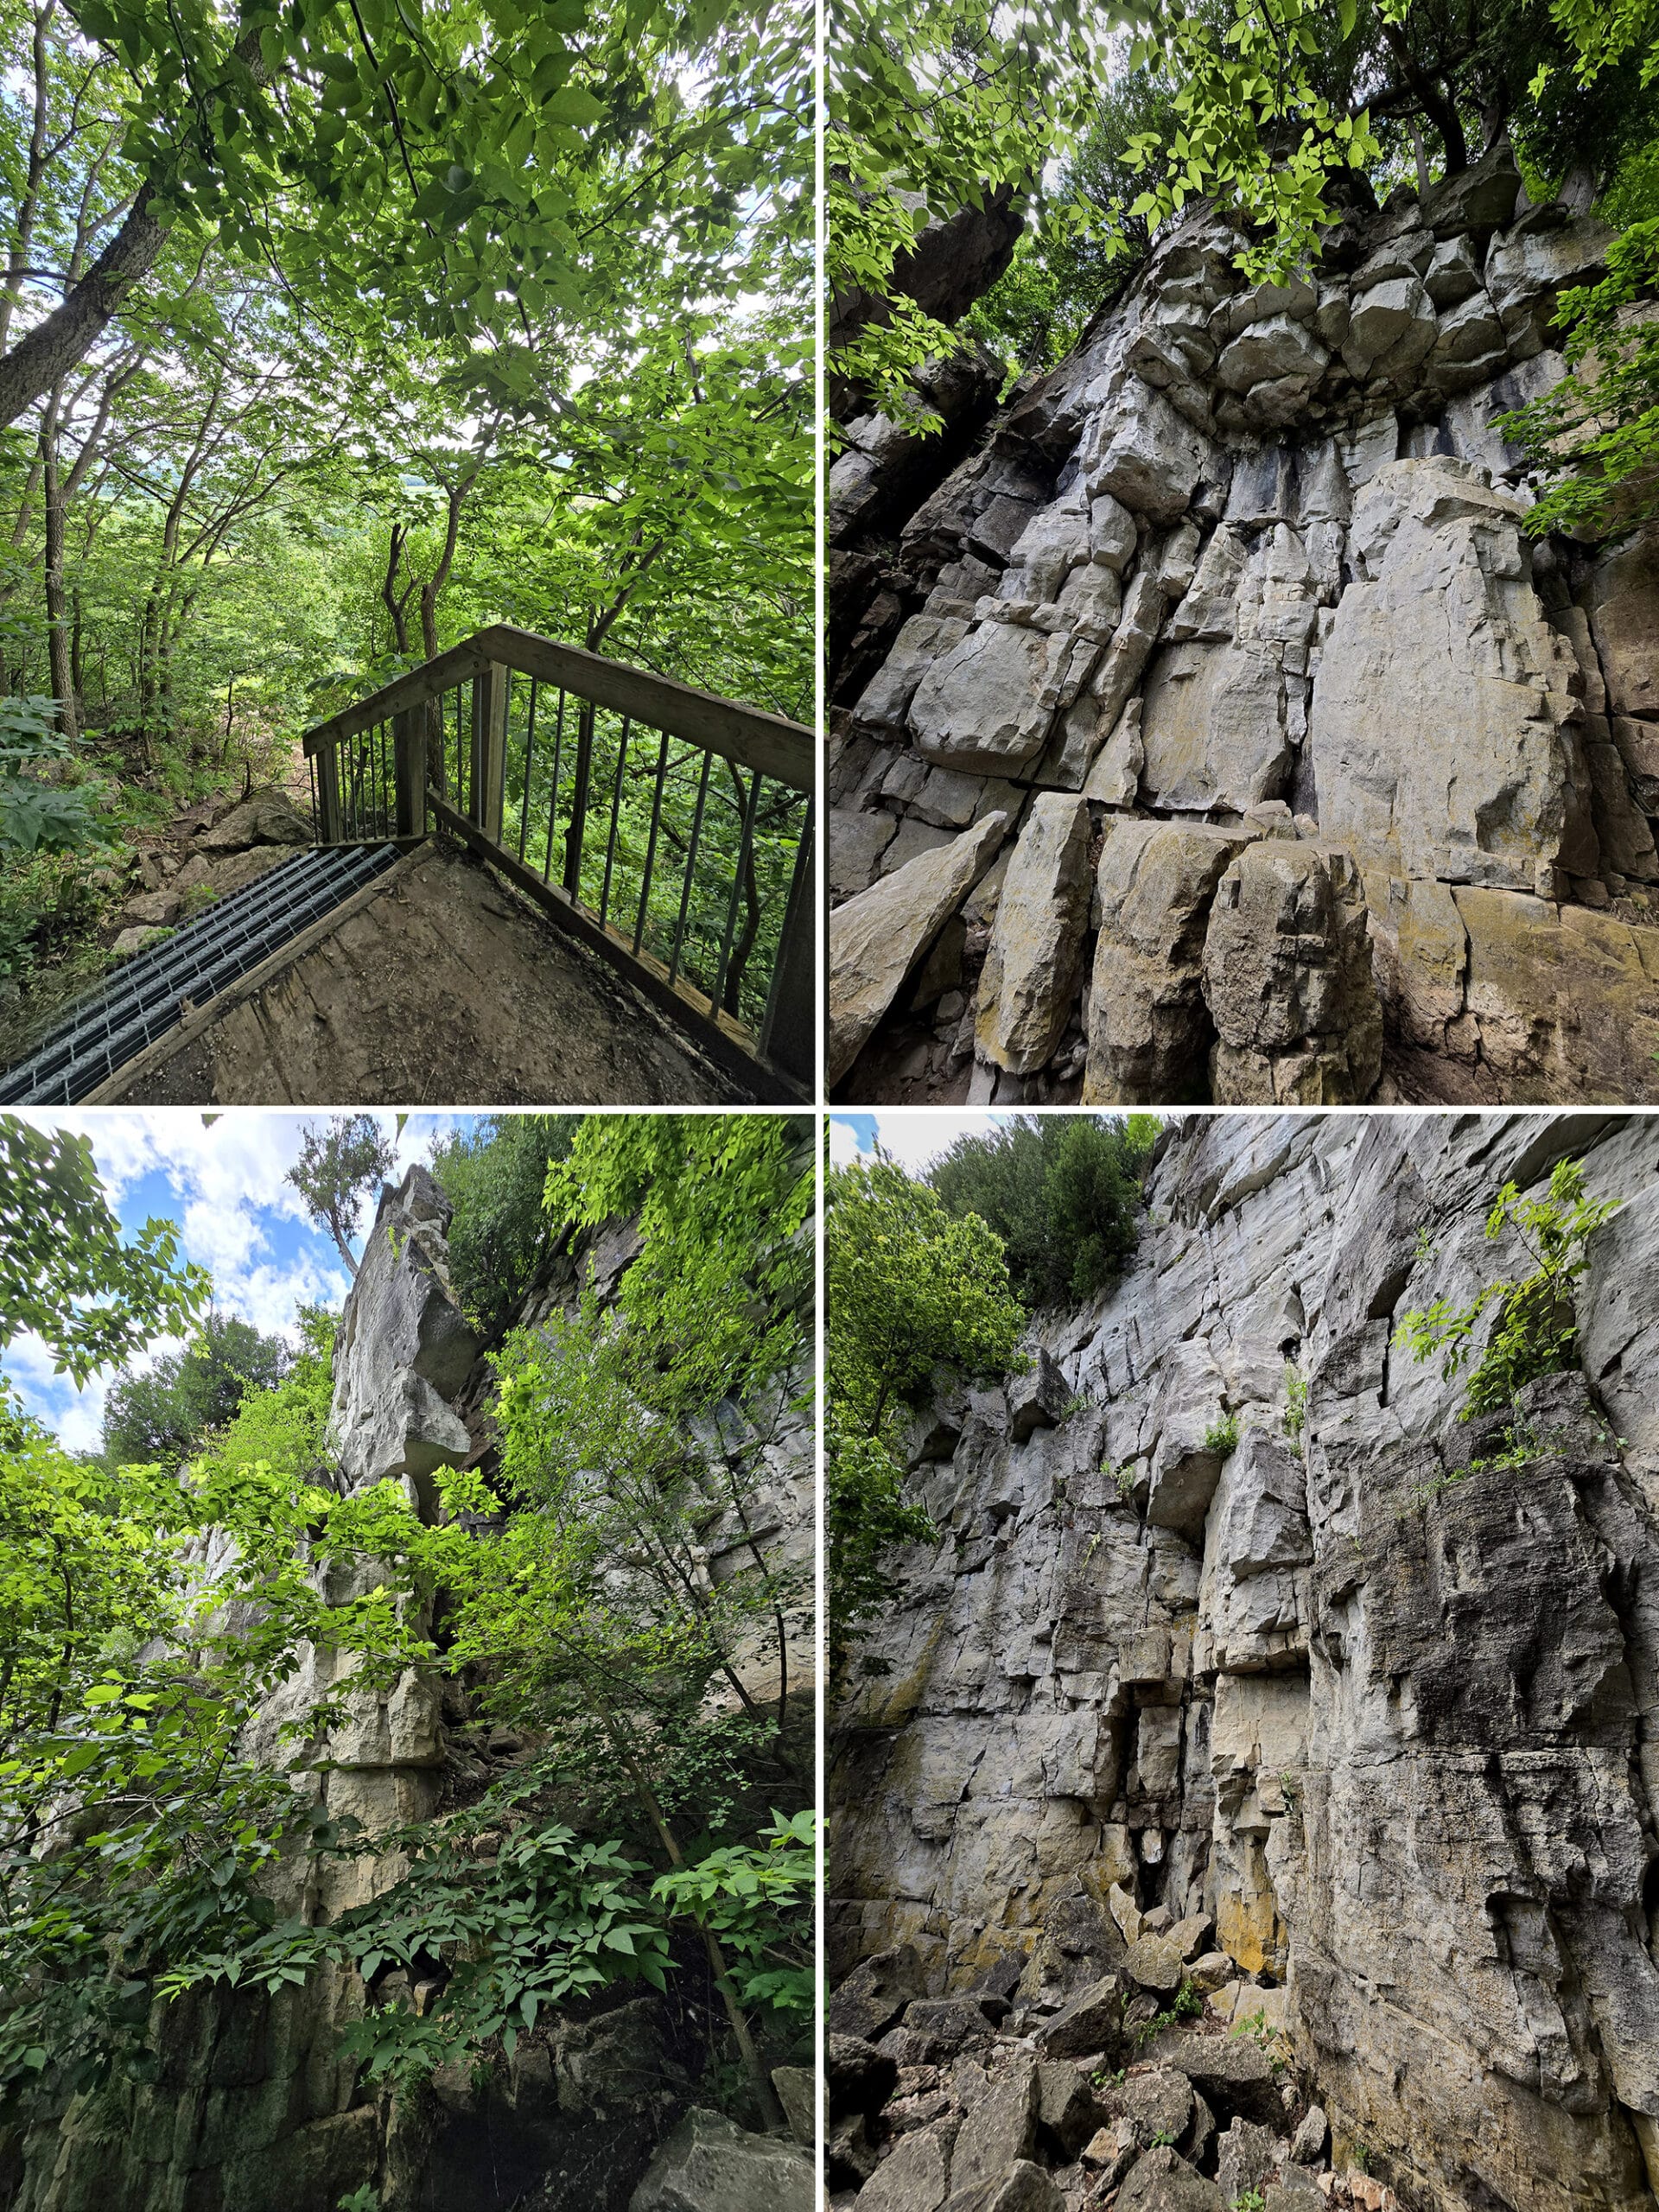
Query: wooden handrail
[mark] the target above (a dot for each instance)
(755, 739)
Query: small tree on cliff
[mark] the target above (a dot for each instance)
(910, 1292)
(338, 1166)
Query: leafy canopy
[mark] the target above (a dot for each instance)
(338, 1166)
(1063, 1192)
(913, 1297)
(66, 1272)
(162, 1413)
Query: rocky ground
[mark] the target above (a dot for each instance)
(216, 846)
(1206, 725)
(1136, 2071)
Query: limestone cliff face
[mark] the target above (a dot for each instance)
(1304, 747)
(1394, 1732)
(255, 2110)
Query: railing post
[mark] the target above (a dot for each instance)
(574, 835)
(331, 826)
(408, 769)
(489, 747)
(788, 1033)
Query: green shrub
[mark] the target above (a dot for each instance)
(1062, 1192)
(501, 1235)
(286, 1425)
(1222, 1435)
(1537, 1328)
(1295, 1402)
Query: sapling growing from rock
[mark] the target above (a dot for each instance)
(1537, 1328)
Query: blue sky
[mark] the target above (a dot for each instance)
(224, 1186)
(911, 1135)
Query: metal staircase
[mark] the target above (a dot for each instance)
(148, 994)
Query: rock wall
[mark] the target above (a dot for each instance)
(1391, 1725)
(254, 2110)
(1321, 781)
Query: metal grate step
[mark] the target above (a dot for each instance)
(141, 1001)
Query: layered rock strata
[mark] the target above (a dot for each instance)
(1251, 562)
(1232, 1621)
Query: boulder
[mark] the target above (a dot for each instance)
(266, 817)
(1154, 1961)
(1246, 2156)
(1024, 2188)
(1162, 2181)
(801, 2095)
(1091, 2022)
(1230, 2073)
(860, 2078)
(879, 939)
(1029, 980)
(1068, 2110)
(708, 2165)
(1000, 2129)
(915, 2175)
(1288, 980)
(938, 2027)
(874, 1995)
(1149, 1030)
(1157, 2103)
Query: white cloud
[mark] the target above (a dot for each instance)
(226, 1190)
(914, 1139)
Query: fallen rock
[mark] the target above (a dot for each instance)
(1229, 2072)
(1154, 1963)
(708, 2164)
(267, 817)
(1307, 2144)
(1162, 2181)
(1025, 2188)
(915, 2175)
(1000, 2129)
(801, 2095)
(1091, 2022)
(1155, 2103)
(880, 938)
(860, 2078)
(873, 1996)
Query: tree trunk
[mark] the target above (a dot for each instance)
(46, 355)
(57, 639)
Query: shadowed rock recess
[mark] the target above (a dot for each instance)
(1279, 1818)
(255, 2110)
(1321, 782)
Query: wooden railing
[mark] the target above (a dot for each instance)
(669, 830)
